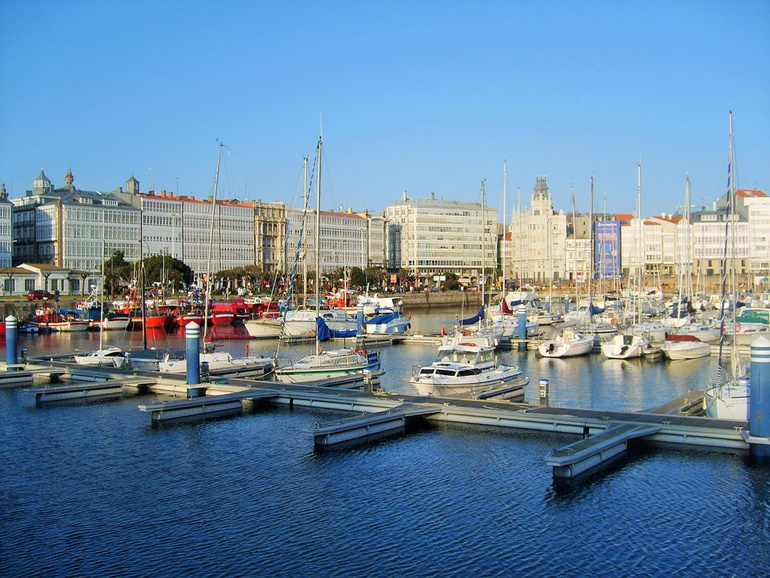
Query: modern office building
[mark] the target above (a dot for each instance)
(432, 236)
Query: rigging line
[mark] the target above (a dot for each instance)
(297, 252)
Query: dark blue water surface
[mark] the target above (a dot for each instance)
(95, 489)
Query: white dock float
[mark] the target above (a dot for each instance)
(585, 454)
(16, 375)
(204, 406)
(86, 390)
(370, 425)
(511, 390)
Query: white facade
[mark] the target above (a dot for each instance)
(184, 228)
(539, 239)
(6, 236)
(72, 229)
(754, 207)
(433, 236)
(343, 238)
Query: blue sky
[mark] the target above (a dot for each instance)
(418, 96)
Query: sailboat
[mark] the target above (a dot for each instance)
(625, 346)
(728, 398)
(328, 364)
(111, 356)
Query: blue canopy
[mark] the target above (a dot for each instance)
(475, 319)
(324, 332)
(380, 319)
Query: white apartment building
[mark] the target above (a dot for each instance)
(183, 227)
(433, 236)
(343, 238)
(70, 228)
(539, 239)
(754, 206)
(6, 236)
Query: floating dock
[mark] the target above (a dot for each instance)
(370, 426)
(78, 391)
(604, 435)
(588, 453)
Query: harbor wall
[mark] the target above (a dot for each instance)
(441, 300)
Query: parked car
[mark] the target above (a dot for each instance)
(39, 294)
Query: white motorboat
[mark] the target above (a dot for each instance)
(264, 328)
(114, 322)
(109, 357)
(624, 346)
(704, 333)
(218, 362)
(387, 324)
(677, 347)
(463, 369)
(567, 343)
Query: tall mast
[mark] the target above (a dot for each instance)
(505, 218)
(688, 257)
(483, 241)
(318, 243)
(211, 246)
(641, 240)
(591, 247)
(304, 228)
(733, 234)
(519, 225)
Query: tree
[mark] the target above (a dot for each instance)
(452, 283)
(375, 276)
(167, 270)
(117, 272)
(357, 277)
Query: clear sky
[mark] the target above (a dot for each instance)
(411, 95)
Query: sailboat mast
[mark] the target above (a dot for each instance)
(318, 243)
(207, 295)
(304, 228)
(483, 242)
(590, 247)
(505, 219)
(733, 234)
(688, 244)
(641, 241)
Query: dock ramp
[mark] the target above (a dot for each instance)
(370, 425)
(587, 453)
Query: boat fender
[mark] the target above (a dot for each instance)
(614, 320)
(738, 327)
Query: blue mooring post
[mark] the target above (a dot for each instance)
(759, 398)
(11, 342)
(566, 305)
(192, 333)
(521, 329)
(359, 319)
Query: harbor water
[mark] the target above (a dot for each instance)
(95, 489)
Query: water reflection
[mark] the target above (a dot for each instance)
(590, 381)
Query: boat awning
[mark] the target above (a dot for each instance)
(475, 319)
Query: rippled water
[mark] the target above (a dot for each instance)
(95, 490)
